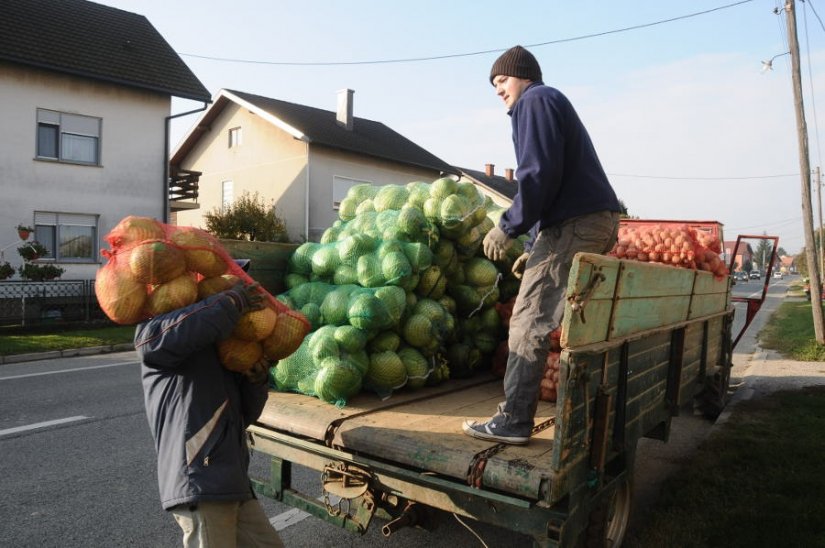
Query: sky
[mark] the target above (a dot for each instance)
(685, 121)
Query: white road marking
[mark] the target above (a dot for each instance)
(41, 425)
(67, 370)
(293, 516)
(290, 517)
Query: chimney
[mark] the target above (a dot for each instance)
(344, 116)
(508, 174)
(489, 169)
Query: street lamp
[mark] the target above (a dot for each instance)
(768, 65)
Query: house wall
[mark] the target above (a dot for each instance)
(497, 198)
(273, 163)
(268, 161)
(129, 180)
(327, 163)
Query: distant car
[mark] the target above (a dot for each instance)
(778, 275)
(740, 276)
(755, 275)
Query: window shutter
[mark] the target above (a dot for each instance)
(48, 116)
(81, 125)
(41, 218)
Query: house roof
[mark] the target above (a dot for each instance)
(496, 183)
(319, 127)
(97, 42)
(744, 247)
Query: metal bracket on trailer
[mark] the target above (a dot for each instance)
(349, 483)
(753, 303)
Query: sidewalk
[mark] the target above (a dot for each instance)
(68, 353)
(755, 372)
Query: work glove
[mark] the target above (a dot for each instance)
(258, 373)
(519, 264)
(247, 296)
(496, 243)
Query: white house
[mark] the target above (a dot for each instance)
(300, 159)
(85, 91)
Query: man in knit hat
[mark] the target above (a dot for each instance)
(567, 205)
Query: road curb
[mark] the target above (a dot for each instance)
(743, 392)
(68, 353)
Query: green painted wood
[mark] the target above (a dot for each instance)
(268, 261)
(705, 305)
(593, 327)
(708, 283)
(640, 280)
(645, 296)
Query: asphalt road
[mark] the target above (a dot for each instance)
(78, 464)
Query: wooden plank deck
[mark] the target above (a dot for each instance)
(422, 429)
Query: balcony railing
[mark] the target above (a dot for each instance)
(183, 189)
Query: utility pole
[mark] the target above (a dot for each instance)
(805, 170)
(821, 235)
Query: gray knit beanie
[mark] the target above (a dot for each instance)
(517, 62)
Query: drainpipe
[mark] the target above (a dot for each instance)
(167, 125)
(306, 200)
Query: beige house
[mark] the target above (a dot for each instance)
(300, 159)
(86, 96)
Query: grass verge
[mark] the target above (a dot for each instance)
(790, 332)
(24, 343)
(757, 481)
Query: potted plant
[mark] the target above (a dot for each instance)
(32, 251)
(6, 270)
(24, 231)
(40, 272)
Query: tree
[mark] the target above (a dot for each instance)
(762, 255)
(247, 218)
(801, 262)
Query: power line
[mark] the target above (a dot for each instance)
(815, 13)
(777, 224)
(703, 178)
(811, 82)
(468, 54)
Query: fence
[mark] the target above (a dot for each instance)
(36, 303)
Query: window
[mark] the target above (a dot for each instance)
(68, 237)
(235, 137)
(227, 195)
(68, 137)
(340, 187)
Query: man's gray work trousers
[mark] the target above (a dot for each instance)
(540, 305)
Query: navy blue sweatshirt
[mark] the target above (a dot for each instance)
(559, 174)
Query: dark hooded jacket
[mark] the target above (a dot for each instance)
(559, 174)
(198, 411)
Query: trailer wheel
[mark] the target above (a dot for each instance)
(608, 521)
(714, 396)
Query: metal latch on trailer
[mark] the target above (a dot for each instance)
(351, 484)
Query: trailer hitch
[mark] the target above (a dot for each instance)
(410, 516)
(349, 483)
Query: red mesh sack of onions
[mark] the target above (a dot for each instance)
(671, 245)
(153, 268)
(550, 381)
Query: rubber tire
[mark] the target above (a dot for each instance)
(607, 523)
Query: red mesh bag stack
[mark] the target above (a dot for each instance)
(154, 268)
(550, 380)
(672, 244)
(505, 312)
